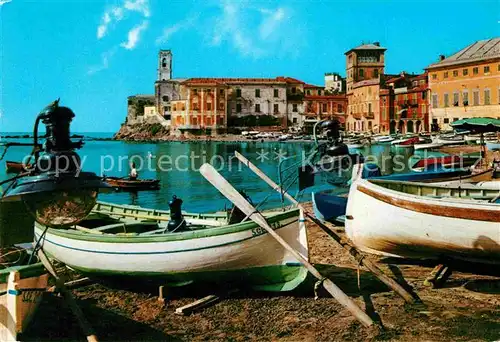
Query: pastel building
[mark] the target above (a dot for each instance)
(466, 84)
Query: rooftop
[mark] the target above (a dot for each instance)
(476, 52)
(227, 81)
(374, 46)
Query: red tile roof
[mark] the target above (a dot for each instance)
(227, 81)
(312, 86)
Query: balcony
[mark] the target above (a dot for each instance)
(297, 96)
(357, 116)
(369, 115)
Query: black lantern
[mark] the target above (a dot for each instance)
(56, 192)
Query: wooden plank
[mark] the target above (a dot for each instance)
(196, 305)
(407, 296)
(216, 179)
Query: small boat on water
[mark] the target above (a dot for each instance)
(406, 142)
(448, 161)
(453, 139)
(130, 242)
(129, 184)
(15, 167)
(355, 143)
(427, 146)
(448, 223)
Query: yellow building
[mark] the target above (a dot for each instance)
(466, 84)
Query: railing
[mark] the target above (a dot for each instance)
(369, 115)
(357, 116)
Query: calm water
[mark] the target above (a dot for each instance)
(183, 178)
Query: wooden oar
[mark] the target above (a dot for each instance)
(408, 297)
(216, 179)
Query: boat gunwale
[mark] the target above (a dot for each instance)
(169, 237)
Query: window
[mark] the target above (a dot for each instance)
(164, 98)
(195, 92)
(486, 69)
(325, 107)
(369, 108)
(319, 91)
(294, 120)
(257, 107)
(446, 120)
(445, 74)
(465, 97)
(455, 73)
(455, 98)
(424, 95)
(465, 72)
(487, 97)
(340, 108)
(434, 100)
(446, 100)
(294, 90)
(238, 92)
(475, 71)
(455, 119)
(238, 108)
(294, 108)
(167, 109)
(257, 92)
(276, 108)
(375, 73)
(276, 93)
(361, 73)
(308, 92)
(475, 98)
(221, 91)
(209, 106)
(164, 63)
(498, 67)
(434, 76)
(434, 121)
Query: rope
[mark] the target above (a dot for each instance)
(38, 246)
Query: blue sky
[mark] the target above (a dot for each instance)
(93, 54)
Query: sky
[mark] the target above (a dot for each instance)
(93, 54)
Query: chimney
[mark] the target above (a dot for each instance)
(441, 58)
(376, 43)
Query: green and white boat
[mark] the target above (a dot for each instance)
(131, 242)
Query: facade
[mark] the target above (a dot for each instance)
(321, 107)
(466, 84)
(364, 67)
(334, 83)
(215, 103)
(404, 104)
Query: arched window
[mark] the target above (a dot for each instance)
(165, 98)
(164, 63)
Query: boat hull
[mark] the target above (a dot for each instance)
(241, 253)
(421, 227)
(130, 185)
(21, 289)
(492, 146)
(328, 207)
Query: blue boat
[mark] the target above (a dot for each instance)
(328, 207)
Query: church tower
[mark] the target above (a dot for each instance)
(164, 65)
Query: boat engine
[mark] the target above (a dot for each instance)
(177, 221)
(334, 147)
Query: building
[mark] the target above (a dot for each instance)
(321, 107)
(166, 88)
(364, 66)
(215, 103)
(404, 104)
(334, 83)
(466, 84)
(135, 108)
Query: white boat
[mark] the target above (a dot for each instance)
(428, 146)
(21, 289)
(420, 226)
(450, 139)
(384, 139)
(284, 137)
(209, 249)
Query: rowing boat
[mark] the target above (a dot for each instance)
(15, 167)
(133, 184)
(209, 249)
(420, 225)
(449, 161)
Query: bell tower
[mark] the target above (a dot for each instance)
(164, 65)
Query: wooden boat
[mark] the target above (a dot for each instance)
(129, 184)
(449, 161)
(420, 226)
(15, 167)
(455, 139)
(355, 143)
(428, 146)
(331, 207)
(384, 139)
(211, 249)
(21, 288)
(406, 142)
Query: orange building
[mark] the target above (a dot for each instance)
(466, 84)
(320, 107)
